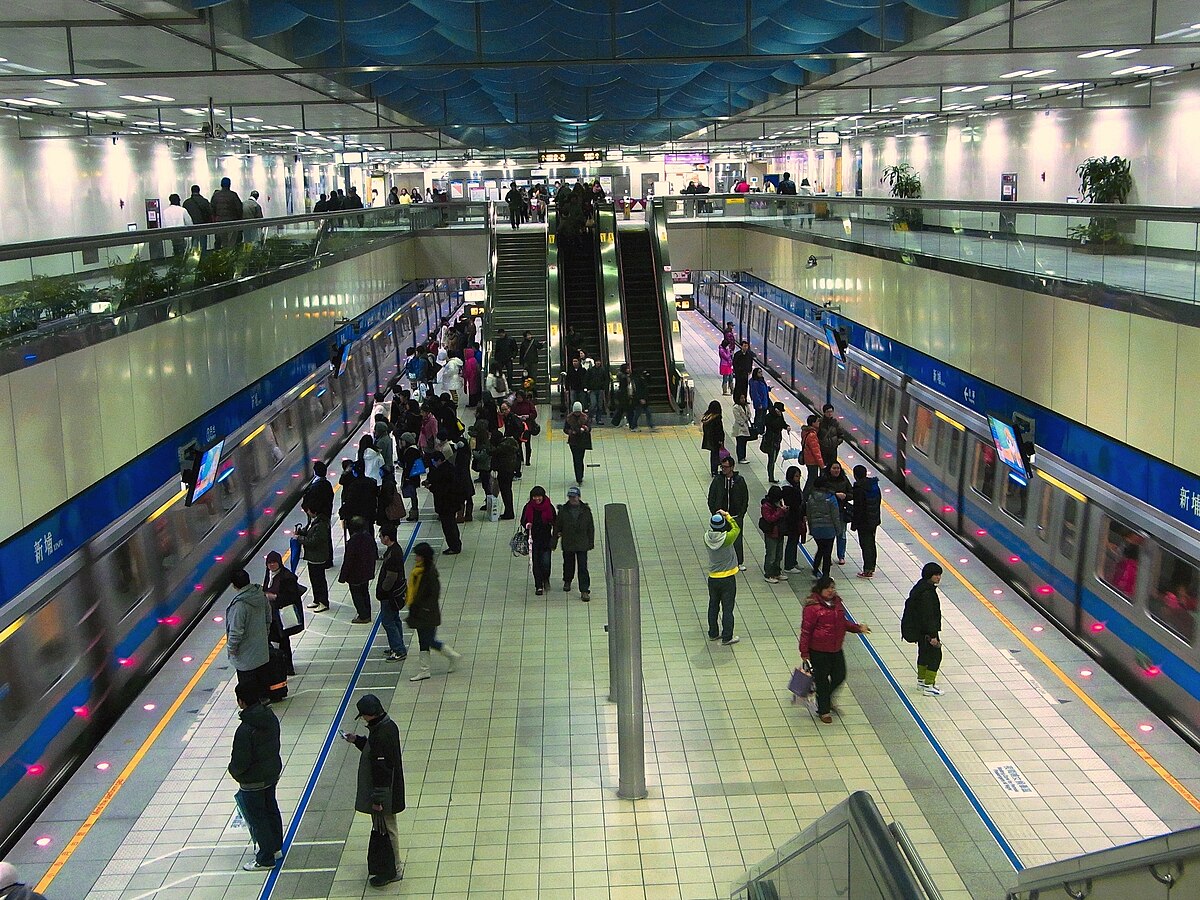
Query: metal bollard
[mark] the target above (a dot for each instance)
(625, 649)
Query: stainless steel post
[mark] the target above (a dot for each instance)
(625, 649)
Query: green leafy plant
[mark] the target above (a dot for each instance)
(904, 183)
(216, 266)
(1103, 179)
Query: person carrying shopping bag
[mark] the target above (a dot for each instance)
(822, 633)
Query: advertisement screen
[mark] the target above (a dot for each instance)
(1008, 448)
(835, 346)
(343, 361)
(206, 472)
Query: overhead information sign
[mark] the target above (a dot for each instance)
(570, 156)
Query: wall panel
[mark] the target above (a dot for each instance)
(37, 426)
(1108, 372)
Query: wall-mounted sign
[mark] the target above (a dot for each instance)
(828, 138)
(1008, 187)
(570, 156)
(686, 159)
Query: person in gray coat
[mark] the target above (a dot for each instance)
(380, 788)
(247, 624)
(576, 532)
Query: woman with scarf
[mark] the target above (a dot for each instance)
(538, 520)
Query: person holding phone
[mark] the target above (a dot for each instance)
(380, 792)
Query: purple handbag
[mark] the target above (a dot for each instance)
(801, 684)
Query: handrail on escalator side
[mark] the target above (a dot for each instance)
(489, 300)
(554, 301)
(667, 316)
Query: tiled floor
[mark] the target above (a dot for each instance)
(511, 762)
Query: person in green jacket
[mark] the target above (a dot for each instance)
(256, 765)
(721, 540)
(920, 624)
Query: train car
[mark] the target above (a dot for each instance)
(1118, 575)
(79, 643)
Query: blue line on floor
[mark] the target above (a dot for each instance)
(991, 826)
(334, 733)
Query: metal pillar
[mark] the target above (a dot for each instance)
(625, 649)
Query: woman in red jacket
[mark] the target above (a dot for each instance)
(822, 632)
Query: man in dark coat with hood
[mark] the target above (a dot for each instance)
(256, 765)
(380, 790)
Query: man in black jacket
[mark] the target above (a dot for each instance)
(730, 492)
(200, 210)
(639, 404)
(743, 365)
(920, 624)
(318, 496)
(830, 435)
(504, 348)
(227, 207)
(864, 517)
(390, 590)
(380, 791)
(786, 185)
(256, 766)
(443, 484)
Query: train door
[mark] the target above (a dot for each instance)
(1060, 527)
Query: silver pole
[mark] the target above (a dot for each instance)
(625, 649)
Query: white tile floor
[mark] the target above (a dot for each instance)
(510, 762)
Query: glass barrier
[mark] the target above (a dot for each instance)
(1142, 250)
(84, 290)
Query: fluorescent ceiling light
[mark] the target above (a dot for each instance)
(41, 102)
(1040, 72)
(193, 111)
(1092, 54)
(1152, 69)
(1130, 70)
(91, 82)
(977, 87)
(1016, 73)
(161, 98)
(995, 98)
(253, 119)
(16, 102)
(1128, 51)
(61, 82)
(109, 114)
(136, 99)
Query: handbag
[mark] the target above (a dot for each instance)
(519, 545)
(381, 856)
(534, 428)
(418, 468)
(395, 509)
(291, 617)
(801, 684)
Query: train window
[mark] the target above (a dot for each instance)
(54, 655)
(1045, 504)
(983, 470)
(870, 394)
(1120, 559)
(1173, 603)
(166, 544)
(127, 575)
(922, 428)
(811, 347)
(275, 454)
(856, 378)
(954, 453)
(889, 406)
(1016, 499)
(1070, 527)
(839, 378)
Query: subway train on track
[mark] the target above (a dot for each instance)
(1113, 571)
(79, 643)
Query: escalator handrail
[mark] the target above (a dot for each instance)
(489, 285)
(625, 318)
(668, 319)
(554, 302)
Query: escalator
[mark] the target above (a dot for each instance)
(517, 293)
(579, 287)
(646, 339)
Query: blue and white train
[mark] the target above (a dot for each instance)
(86, 619)
(1103, 539)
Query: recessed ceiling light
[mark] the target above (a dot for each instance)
(1128, 51)
(91, 82)
(1017, 73)
(1092, 54)
(1153, 69)
(1040, 72)
(995, 98)
(61, 82)
(161, 98)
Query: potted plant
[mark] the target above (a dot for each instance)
(1103, 179)
(904, 182)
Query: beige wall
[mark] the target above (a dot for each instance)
(1129, 376)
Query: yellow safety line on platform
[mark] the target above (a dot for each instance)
(69, 850)
(1091, 704)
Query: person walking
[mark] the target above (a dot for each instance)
(390, 590)
(794, 534)
(424, 611)
(506, 463)
(226, 207)
(175, 216)
(255, 764)
(760, 399)
(538, 519)
(316, 542)
(247, 629)
(742, 432)
(721, 538)
(823, 630)
(824, 522)
(729, 492)
(772, 522)
(442, 481)
(639, 402)
(921, 623)
(622, 399)
(379, 790)
(578, 429)
(358, 568)
(774, 425)
(598, 386)
(725, 364)
(318, 495)
(811, 452)
(712, 428)
(516, 205)
(865, 517)
(835, 481)
(470, 374)
(743, 365)
(283, 591)
(575, 531)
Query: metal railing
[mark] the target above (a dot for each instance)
(1148, 250)
(78, 291)
(848, 853)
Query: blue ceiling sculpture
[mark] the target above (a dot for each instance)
(665, 67)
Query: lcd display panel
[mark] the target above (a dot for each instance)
(835, 346)
(1008, 448)
(343, 361)
(206, 472)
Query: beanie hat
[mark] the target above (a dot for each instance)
(717, 521)
(576, 406)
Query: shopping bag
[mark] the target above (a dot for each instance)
(291, 618)
(801, 684)
(493, 508)
(381, 856)
(519, 543)
(791, 453)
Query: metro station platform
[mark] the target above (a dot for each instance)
(1033, 753)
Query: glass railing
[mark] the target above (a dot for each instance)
(1149, 251)
(848, 853)
(59, 295)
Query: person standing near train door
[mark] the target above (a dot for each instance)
(247, 624)
(920, 625)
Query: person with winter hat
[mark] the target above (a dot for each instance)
(576, 533)
(865, 517)
(822, 632)
(920, 624)
(537, 518)
(720, 538)
(424, 613)
(578, 429)
(380, 786)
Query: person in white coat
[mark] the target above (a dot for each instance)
(452, 376)
(439, 383)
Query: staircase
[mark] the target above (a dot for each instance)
(518, 299)
(578, 284)
(643, 315)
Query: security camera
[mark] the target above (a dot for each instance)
(811, 262)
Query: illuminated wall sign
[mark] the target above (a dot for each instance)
(572, 156)
(686, 159)
(348, 158)
(826, 138)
